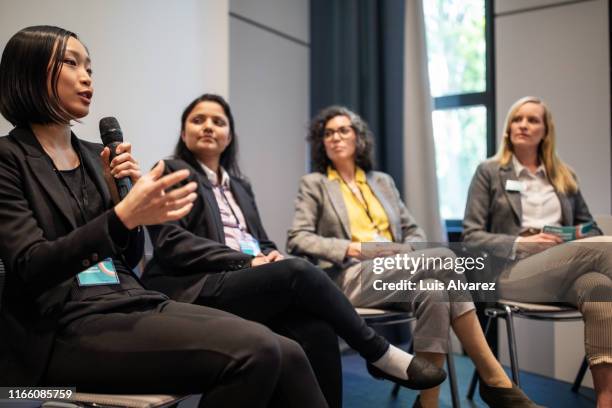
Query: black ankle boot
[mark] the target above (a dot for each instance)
(421, 374)
(497, 397)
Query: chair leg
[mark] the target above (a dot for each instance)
(474, 381)
(452, 376)
(580, 375)
(512, 345)
(396, 388)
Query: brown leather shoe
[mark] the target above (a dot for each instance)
(497, 397)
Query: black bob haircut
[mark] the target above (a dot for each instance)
(31, 58)
(229, 157)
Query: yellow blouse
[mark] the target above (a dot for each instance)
(367, 221)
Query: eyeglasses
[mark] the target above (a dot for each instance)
(344, 132)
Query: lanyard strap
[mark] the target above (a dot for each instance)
(240, 227)
(363, 204)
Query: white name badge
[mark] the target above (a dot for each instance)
(102, 273)
(514, 185)
(249, 246)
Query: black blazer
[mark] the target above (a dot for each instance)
(191, 250)
(43, 250)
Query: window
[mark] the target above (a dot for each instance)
(459, 46)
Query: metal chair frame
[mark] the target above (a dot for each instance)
(82, 400)
(508, 310)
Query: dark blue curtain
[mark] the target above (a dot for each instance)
(357, 60)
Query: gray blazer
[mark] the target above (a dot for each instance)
(493, 215)
(321, 228)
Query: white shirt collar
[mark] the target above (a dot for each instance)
(213, 178)
(519, 168)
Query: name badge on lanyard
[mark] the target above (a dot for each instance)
(102, 273)
(249, 245)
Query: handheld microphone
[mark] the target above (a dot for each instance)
(112, 136)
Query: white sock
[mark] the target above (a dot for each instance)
(395, 361)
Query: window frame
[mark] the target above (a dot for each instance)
(486, 98)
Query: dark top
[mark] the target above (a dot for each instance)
(190, 254)
(86, 300)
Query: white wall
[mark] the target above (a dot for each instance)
(562, 54)
(269, 92)
(290, 17)
(150, 58)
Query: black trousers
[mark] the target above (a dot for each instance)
(291, 296)
(184, 349)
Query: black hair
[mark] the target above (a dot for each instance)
(31, 58)
(363, 142)
(229, 157)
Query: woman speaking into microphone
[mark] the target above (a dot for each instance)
(72, 312)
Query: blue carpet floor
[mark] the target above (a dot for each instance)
(362, 391)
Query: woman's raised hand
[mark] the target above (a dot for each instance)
(149, 203)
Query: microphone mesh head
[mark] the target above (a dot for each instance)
(110, 131)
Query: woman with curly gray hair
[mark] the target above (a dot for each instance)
(343, 209)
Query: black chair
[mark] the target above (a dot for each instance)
(382, 317)
(507, 310)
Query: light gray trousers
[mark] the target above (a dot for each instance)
(578, 273)
(435, 310)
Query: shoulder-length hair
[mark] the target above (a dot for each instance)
(363, 142)
(559, 174)
(31, 60)
(229, 157)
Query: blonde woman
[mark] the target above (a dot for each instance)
(512, 197)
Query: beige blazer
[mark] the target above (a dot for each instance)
(321, 228)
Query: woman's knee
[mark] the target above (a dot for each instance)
(304, 271)
(593, 287)
(300, 265)
(442, 253)
(260, 348)
(432, 299)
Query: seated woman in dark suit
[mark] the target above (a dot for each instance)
(343, 204)
(72, 312)
(512, 197)
(219, 255)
